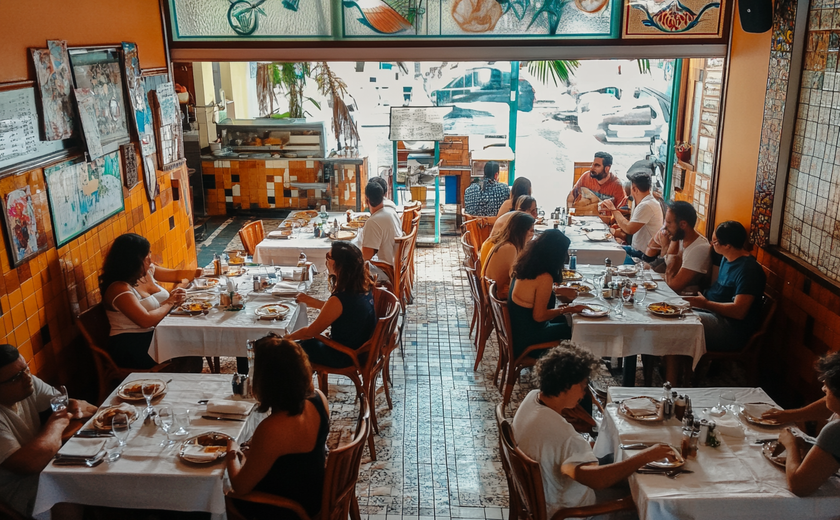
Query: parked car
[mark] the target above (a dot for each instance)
(484, 84)
(645, 115)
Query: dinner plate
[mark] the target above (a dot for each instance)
(626, 270)
(580, 286)
(650, 285)
(211, 282)
(307, 214)
(668, 464)
(343, 235)
(102, 419)
(272, 311)
(352, 226)
(539, 228)
(599, 311)
(281, 233)
(769, 448)
(211, 442)
(133, 390)
(649, 417)
(571, 276)
(663, 309)
(752, 414)
(196, 306)
(598, 236)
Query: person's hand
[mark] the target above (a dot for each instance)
(304, 298)
(663, 237)
(79, 409)
(60, 419)
(698, 302)
(574, 309)
(606, 205)
(788, 439)
(176, 297)
(658, 452)
(780, 416)
(565, 294)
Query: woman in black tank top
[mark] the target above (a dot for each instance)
(287, 453)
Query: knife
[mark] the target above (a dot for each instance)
(93, 433)
(214, 418)
(637, 446)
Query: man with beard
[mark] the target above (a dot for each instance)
(689, 255)
(600, 182)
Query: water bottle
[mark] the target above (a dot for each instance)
(247, 390)
(573, 259)
(301, 259)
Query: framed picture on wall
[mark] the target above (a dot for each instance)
(167, 118)
(100, 71)
(26, 216)
(673, 19)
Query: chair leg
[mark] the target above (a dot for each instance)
(482, 341)
(508, 392)
(355, 513)
(474, 319)
(386, 375)
(323, 385)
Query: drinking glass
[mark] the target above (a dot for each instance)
(166, 420)
(641, 294)
(149, 390)
(182, 421)
(120, 427)
(60, 401)
(728, 401)
(619, 307)
(626, 294)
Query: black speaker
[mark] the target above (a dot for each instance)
(756, 15)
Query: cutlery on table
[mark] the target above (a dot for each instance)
(93, 433)
(670, 473)
(637, 446)
(765, 441)
(214, 418)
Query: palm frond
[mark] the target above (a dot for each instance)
(644, 65)
(561, 70)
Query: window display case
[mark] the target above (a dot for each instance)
(277, 138)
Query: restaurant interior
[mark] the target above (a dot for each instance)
(772, 163)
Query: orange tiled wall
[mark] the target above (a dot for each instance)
(40, 298)
(264, 184)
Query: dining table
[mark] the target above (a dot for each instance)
(731, 481)
(286, 251)
(148, 475)
(637, 330)
(225, 332)
(590, 239)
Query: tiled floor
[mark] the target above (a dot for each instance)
(437, 451)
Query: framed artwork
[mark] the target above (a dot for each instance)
(137, 99)
(86, 103)
(100, 71)
(52, 68)
(129, 157)
(673, 19)
(83, 195)
(167, 117)
(26, 215)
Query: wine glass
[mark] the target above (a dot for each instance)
(120, 427)
(149, 390)
(60, 401)
(166, 420)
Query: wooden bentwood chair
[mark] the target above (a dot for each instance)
(527, 487)
(365, 360)
(338, 498)
(252, 234)
(94, 326)
(399, 273)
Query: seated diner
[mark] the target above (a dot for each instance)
(507, 244)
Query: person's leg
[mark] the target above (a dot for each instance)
(721, 336)
(187, 365)
(131, 350)
(554, 331)
(321, 354)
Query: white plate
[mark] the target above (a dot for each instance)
(272, 311)
(598, 236)
(752, 414)
(768, 449)
(668, 464)
(651, 417)
(133, 390)
(102, 419)
(602, 311)
(215, 437)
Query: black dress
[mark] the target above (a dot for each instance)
(298, 476)
(527, 331)
(352, 329)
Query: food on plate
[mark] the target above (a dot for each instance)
(196, 306)
(360, 218)
(663, 309)
(354, 225)
(307, 214)
(211, 441)
(580, 287)
(343, 235)
(568, 274)
(212, 282)
(102, 419)
(650, 285)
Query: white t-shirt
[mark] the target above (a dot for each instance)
(379, 233)
(648, 212)
(697, 256)
(18, 426)
(545, 436)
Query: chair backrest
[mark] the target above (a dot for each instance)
(386, 302)
(470, 255)
(95, 327)
(475, 285)
(479, 228)
(501, 319)
(525, 475)
(372, 348)
(402, 261)
(342, 470)
(410, 212)
(768, 309)
(252, 234)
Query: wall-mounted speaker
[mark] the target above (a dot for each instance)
(756, 15)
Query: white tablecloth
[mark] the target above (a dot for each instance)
(149, 476)
(592, 252)
(221, 332)
(732, 481)
(286, 251)
(639, 331)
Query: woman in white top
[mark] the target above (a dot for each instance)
(134, 302)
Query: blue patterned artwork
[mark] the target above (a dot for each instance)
(670, 18)
(83, 195)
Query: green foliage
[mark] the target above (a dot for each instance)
(561, 70)
(644, 66)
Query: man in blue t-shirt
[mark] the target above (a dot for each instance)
(730, 310)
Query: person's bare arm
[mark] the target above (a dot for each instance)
(816, 411)
(682, 279)
(163, 274)
(315, 303)
(33, 457)
(368, 252)
(601, 477)
(329, 313)
(805, 476)
(737, 309)
(78, 409)
(128, 304)
(622, 222)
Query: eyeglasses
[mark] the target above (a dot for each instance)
(715, 242)
(17, 377)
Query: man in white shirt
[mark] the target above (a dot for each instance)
(380, 230)
(569, 469)
(646, 218)
(385, 200)
(689, 256)
(30, 432)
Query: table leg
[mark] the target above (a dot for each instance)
(628, 373)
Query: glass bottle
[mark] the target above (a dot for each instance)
(301, 259)
(573, 259)
(247, 390)
(679, 407)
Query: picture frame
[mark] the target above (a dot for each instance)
(673, 19)
(100, 70)
(167, 123)
(26, 216)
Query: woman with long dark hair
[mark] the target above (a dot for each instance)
(525, 203)
(286, 455)
(511, 239)
(531, 302)
(349, 311)
(521, 186)
(134, 302)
